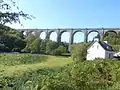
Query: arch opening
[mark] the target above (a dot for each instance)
(24, 33)
(78, 37)
(42, 35)
(93, 35)
(64, 36)
(110, 34)
(53, 36)
(33, 33)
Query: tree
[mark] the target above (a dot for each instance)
(8, 35)
(29, 40)
(35, 46)
(8, 16)
(78, 52)
(110, 34)
(16, 45)
(61, 49)
(51, 46)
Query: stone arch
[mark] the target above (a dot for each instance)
(92, 31)
(78, 31)
(107, 33)
(60, 35)
(49, 35)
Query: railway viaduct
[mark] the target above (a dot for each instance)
(72, 31)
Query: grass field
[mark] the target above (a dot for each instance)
(16, 64)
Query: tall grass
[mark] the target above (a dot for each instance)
(17, 59)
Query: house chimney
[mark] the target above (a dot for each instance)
(105, 41)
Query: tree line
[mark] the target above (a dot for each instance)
(37, 45)
(13, 41)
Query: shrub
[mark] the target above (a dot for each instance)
(61, 49)
(78, 52)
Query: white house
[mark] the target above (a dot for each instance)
(99, 50)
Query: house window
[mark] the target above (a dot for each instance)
(110, 55)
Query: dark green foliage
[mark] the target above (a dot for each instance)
(113, 40)
(10, 39)
(61, 49)
(65, 44)
(110, 34)
(116, 48)
(12, 43)
(51, 46)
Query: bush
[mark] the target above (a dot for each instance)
(116, 47)
(56, 52)
(61, 49)
(35, 46)
(51, 46)
(78, 52)
(12, 42)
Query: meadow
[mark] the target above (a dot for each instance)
(16, 64)
(45, 72)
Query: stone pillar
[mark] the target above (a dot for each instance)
(71, 37)
(101, 37)
(58, 36)
(85, 36)
(70, 40)
(47, 35)
(101, 34)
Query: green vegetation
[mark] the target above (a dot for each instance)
(29, 44)
(79, 51)
(15, 63)
(37, 45)
(113, 40)
(45, 72)
(18, 59)
(59, 73)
